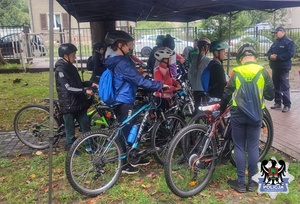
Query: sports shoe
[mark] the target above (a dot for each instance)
(276, 106)
(142, 162)
(239, 187)
(252, 186)
(128, 169)
(285, 109)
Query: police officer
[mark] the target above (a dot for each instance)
(246, 131)
(280, 54)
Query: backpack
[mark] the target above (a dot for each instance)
(106, 87)
(89, 63)
(205, 76)
(247, 97)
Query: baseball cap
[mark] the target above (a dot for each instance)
(279, 28)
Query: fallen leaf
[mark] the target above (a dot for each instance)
(32, 176)
(2, 178)
(39, 153)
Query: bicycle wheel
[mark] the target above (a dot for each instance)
(163, 132)
(200, 118)
(32, 126)
(186, 172)
(93, 163)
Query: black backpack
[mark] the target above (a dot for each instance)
(247, 97)
(89, 63)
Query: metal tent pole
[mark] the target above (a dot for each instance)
(51, 84)
(229, 36)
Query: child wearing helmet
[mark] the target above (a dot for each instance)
(98, 60)
(151, 60)
(71, 91)
(217, 79)
(126, 80)
(162, 74)
(170, 43)
(246, 131)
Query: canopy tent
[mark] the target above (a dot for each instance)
(164, 10)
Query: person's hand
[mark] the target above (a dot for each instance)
(273, 57)
(95, 85)
(165, 87)
(89, 92)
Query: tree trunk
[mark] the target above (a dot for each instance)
(1, 59)
(99, 30)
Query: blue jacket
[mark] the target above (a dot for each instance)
(285, 50)
(128, 79)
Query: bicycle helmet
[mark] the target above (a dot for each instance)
(66, 49)
(163, 53)
(245, 50)
(169, 42)
(204, 39)
(98, 46)
(117, 35)
(218, 45)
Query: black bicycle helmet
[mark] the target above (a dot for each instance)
(98, 46)
(245, 50)
(117, 35)
(66, 49)
(169, 42)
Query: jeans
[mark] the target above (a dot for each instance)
(245, 135)
(83, 120)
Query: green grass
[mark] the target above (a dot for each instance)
(25, 180)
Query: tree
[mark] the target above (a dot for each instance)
(14, 13)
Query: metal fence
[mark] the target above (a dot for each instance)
(17, 44)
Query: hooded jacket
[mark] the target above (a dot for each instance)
(127, 79)
(70, 88)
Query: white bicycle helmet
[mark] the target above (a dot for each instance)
(163, 53)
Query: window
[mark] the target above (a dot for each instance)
(60, 20)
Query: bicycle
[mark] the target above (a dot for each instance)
(92, 173)
(32, 123)
(198, 148)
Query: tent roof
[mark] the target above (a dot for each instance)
(164, 10)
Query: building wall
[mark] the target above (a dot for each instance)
(292, 18)
(39, 16)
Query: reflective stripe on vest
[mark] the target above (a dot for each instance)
(249, 71)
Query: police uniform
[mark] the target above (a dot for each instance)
(284, 49)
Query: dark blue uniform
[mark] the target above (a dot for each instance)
(284, 49)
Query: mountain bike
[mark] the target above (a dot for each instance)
(32, 123)
(91, 173)
(197, 149)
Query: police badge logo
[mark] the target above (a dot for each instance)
(273, 177)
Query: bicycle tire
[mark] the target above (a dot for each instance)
(90, 171)
(186, 173)
(163, 132)
(200, 118)
(32, 126)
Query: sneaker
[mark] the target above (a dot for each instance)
(128, 169)
(276, 106)
(142, 162)
(285, 109)
(252, 186)
(239, 187)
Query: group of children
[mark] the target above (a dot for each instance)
(127, 79)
